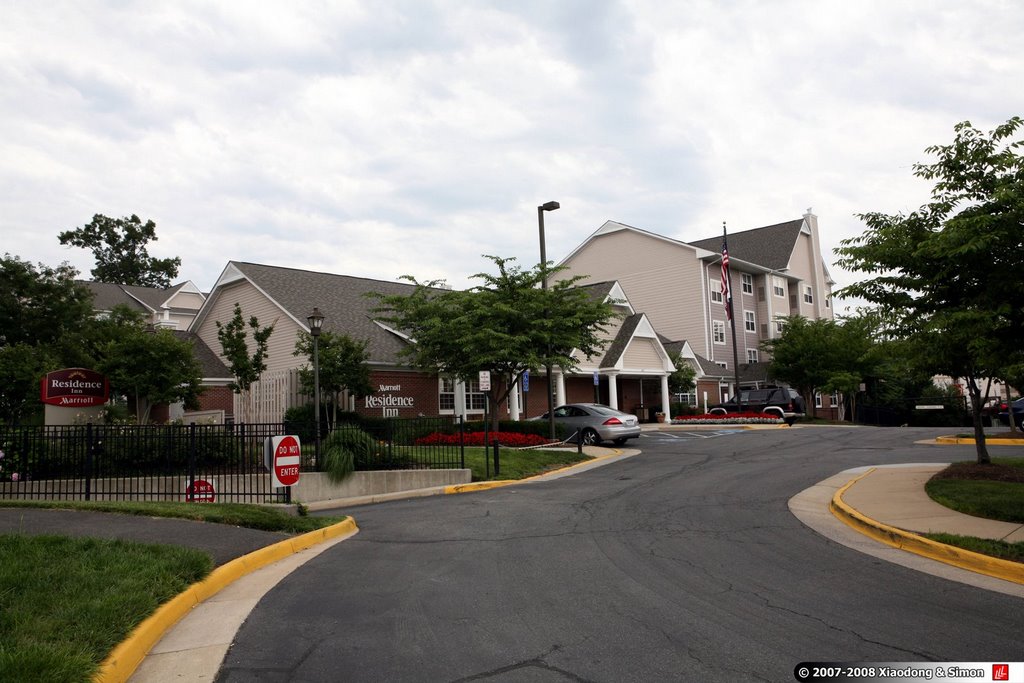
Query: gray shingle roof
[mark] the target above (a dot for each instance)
(341, 298)
(106, 296)
(770, 246)
(621, 341)
(211, 365)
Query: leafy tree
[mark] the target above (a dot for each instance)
(950, 271)
(824, 356)
(805, 355)
(151, 367)
(119, 247)
(342, 363)
(21, 367)
(40, 306)
(683, 380)
(245, 367)
(506, 325)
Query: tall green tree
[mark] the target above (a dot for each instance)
(342, 362)
(950, 271)
(246, 367)
(151, 367)
(41, 305)
(119, 247)
(21, 367)
(823, 356)
(506, 325)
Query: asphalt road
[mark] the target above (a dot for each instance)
(680, 564)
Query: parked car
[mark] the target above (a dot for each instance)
(1017, 407)
(782, 401)
(595, 423)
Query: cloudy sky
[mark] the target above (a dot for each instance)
(410, 137)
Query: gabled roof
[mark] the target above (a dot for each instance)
(341, 298)
(149, 299)
(621, 341)
(769, 247)
(608, 290)
(106, 296)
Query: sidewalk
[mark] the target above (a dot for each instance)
(889, 504)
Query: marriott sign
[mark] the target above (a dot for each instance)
(74, 388)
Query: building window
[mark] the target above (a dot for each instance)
(778, 288)
(446, 398)
(817, 400)
(718, 331)
(751, 355)
(808, 294)
(780, 325)
(828, 302)
(748, 283)
(687, 398)
(475, 399)
(835, 399)
(749, 321)
(716, 291)
(722, 364)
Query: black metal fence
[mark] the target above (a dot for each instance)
(916, 412)
(190, 462)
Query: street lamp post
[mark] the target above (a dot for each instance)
(549, 206)
(316, 323)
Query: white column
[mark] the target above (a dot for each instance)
(559, 389)
(666, 404)
(513, 404)
(613, 393)
(460, 400)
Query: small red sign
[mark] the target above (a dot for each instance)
(287, 458)
(200, 491)
(74, 388)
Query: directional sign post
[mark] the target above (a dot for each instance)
(285, 456)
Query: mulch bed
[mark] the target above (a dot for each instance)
(991, 472)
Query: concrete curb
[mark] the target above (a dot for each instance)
(919, 545)
(487, 485)
(956, 440)
(126, 657)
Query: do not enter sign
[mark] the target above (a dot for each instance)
(286, 455)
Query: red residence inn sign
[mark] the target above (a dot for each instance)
(74, 388)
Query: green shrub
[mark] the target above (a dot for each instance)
(345, 450)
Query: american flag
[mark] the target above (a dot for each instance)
(726, 295)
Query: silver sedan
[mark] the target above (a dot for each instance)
(594, 423)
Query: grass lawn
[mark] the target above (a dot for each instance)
(65, 603)
(993, 491)
(236, 514)
(519, 464)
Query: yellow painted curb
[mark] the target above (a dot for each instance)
(126, 657)
(478, 486)
(950, 440)
(919, 545)
(486, 485)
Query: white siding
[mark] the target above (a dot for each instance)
(281, 343)
(660, 278)
(642, 356)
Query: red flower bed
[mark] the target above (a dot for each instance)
(513, 439)
(728, 416)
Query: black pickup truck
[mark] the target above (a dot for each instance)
(781, 401)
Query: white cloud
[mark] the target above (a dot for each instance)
(395, 137)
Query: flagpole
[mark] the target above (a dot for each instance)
(727, 274)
